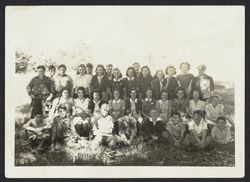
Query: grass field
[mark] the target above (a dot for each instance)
(137, 155)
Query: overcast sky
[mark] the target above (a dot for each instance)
(154, 36)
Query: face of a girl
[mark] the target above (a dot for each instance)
(89, 70)
(96, 96)
(215, 101)
(133, 94)
(196, 95)
(171, 71)
(116, 74)
(52, 72)
(100, 71)
(180, 94)
(145, 72)
(65, 94)
(62, 113)
(81, 70)
(184, 68)
(131, 73)
(80, 94)
(160, 74)
(164, 96)
(109, 70)
(116, 94)
(149, 94)
(62, 71)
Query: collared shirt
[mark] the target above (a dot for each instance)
(221, 136)
(97, 108)
(198, 128)
(62, 81)
(180, 106)
(117, 106)
(104, 126)
(37, 86)
(200, 105)
(133, 105)
(175, 130)
(212, 113)
(163, 106)
(100, 79)
(82, 81)
(81, 105)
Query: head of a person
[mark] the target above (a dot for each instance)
(104, 110)
(170, 70)
(196, 94)
(149, 93)
(221, 122)
(116, 94)
(62, 69)
(184, 67)
(215, 100)
(65, 93)
(145, 72)
(180, 93)
(96, 95)
(52, 70)
(136, 67)
(160, 74)
(130, 72)
(154, 113)
(201, 69)
(38, 116)
(109, 69)
(197, 115)
(133, 93)
(176, 117)
(62, 110)
(164, 95)
(117, 73)
(41, 70)
(81, 69)
(89, 68)
(80, 92)
(100, 70)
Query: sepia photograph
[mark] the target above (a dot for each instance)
(124, 91)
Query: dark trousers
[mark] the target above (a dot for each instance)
(36, 106)
(83, 129)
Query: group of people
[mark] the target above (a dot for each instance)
(113, 110)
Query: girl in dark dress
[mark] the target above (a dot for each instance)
(130, 82)
(171, 82)
(117, 83)
(185, 79)
(144, 81)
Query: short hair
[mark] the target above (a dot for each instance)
(65, 88)
(215, 96)
(89, 65)
(38, 112)
(221, 118)
(186, 64)
(133, 89)
(145, 67)
(104, 105)
(202, 66)
(116, 90)
(41, 67)
(52, 67)
(198, 112)
(196, 90)
(62, 106)
(136, 63)
(168, 67)
(164, 91)
(62, 66)
(109, 65)
(149, 89)
(81, 88)
(159, 71)
(82, 65)
(176, 114)
(130, 68)
(180, 89)
(100, 66)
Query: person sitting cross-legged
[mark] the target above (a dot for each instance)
(37, 131)
(154, 127)
(176, 130)
(198, 132)
(221, 132)
(103, 126)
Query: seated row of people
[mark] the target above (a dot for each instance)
(101, 130)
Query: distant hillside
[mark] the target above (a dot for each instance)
(223, 85)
